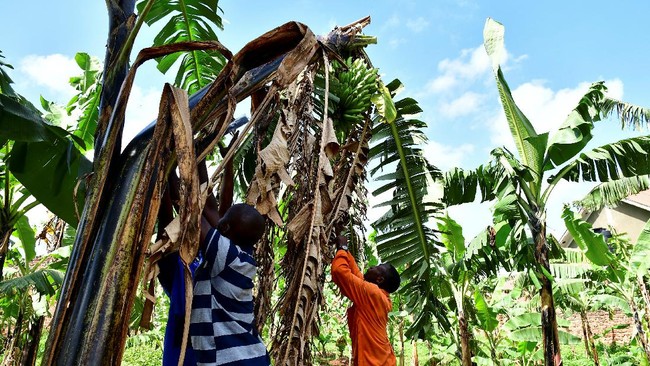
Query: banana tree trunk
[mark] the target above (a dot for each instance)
(585, 337)
(5, 235)
(30, 350)
(590, 344)
(493, 349)
(416, 360)
(466, 351)
(12, 353)
(640, 333)
(646, 298)
(550, 334)
(401, 342)
(594, 351)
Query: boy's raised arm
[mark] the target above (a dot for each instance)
(213, 210)
(347, 276)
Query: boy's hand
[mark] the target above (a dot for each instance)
(341, 242)
(223, 150)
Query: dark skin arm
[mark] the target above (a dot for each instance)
(213, 210)
(168, 262)
(165, 212)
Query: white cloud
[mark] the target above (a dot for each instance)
(141, 110)
(52, 72)
(442, 83)
(466, 104)
(392, 22)
(396, 42)
(417, 25)
(472, 65)
(447, 156)
(473, 217)
(614, 88)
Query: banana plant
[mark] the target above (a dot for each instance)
(264, 60)
(28, 291)
(406, 237)
(521, 184)
(577, 288)
(187, 21)
(463, 267)
(626, 276)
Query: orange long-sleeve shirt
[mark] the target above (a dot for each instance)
(368, 315)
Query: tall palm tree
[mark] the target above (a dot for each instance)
(522, 184)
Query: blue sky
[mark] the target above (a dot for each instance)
(555, 50)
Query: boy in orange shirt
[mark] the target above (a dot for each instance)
(368, 315)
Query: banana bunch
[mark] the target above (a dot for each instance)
(351, 87)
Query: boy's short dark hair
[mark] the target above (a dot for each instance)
(246, 222)
(392, 279)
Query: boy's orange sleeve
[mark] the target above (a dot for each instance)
(347, 276)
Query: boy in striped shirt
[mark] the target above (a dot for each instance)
(222, 327)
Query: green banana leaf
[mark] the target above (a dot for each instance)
(451, 235)
(531, 148)
(189, 20)
(608, 194)
(574, 134)
(487, 317)
(641, 251)
(591, 243)
(50, 170)
(44, 280)
(625, 158)
(44, 158)
(27, 237)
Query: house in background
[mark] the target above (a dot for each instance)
(630, 216)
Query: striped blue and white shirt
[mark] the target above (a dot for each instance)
(222, 328)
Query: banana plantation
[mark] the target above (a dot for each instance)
(325, 132)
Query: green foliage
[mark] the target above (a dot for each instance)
(188, 20)
(591, 243)
(87, 99)
(62, 162)
(41, 149)
(525, 137)
(5, 80)
(610, 355)
(487, 317)
(622, 159)
(639, 263)
(611, 193)
(574, 134)
(403, 237)
(145, 354)
(515, 183)
(451, 235)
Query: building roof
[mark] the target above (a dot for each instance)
(641, 200)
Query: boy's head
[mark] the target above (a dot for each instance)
(385, 276)
(242, 224)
